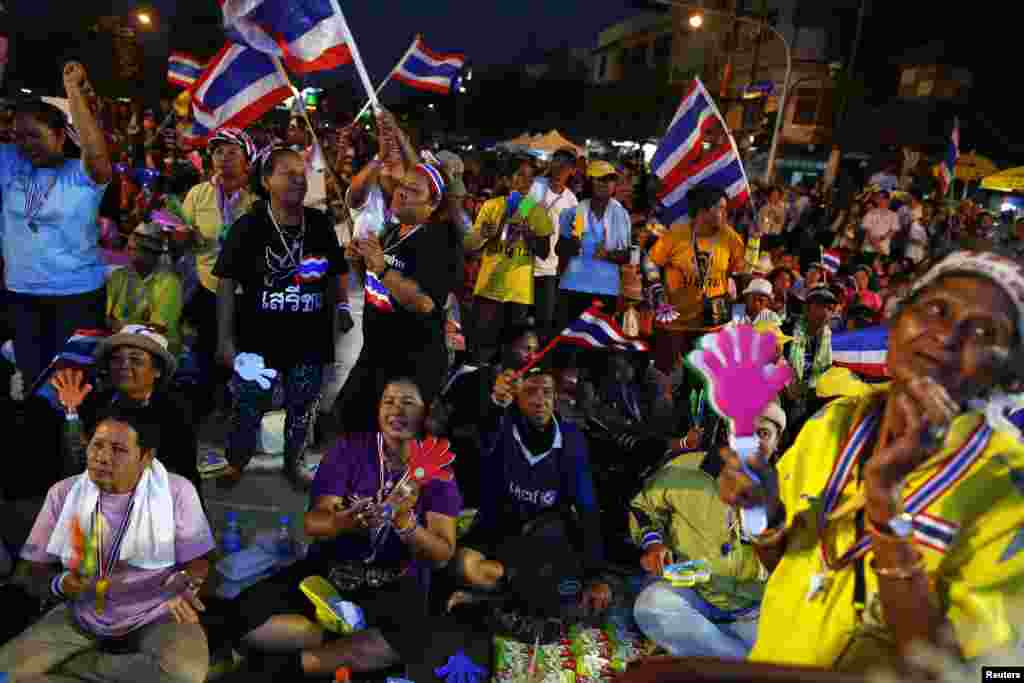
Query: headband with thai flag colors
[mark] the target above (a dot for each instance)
(436, 179)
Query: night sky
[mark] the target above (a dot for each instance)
(980, 37)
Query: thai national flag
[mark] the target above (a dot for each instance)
(377, 295)
(947, 171)
(311, 269)
(596, 330)
(862, 351)
(832, 260)
(682, 163)
(77, 353)
(307, 35)
(424, 69)
(238, 86)
(183, 70)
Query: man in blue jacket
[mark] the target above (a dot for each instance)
(536, 482)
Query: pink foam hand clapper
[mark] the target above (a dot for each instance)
(741, 368)
(168, 220)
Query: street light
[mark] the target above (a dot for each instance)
(697, 20)
(144, 18)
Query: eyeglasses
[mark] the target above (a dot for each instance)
(129, 362)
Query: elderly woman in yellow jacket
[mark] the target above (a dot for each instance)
(895, 518)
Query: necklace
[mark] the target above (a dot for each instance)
(284, 242)
(35, 199)
(394, 237)
(228, 206)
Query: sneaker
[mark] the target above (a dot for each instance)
(332, 612)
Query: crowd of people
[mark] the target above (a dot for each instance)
(379, 291)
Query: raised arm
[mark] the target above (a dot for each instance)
(95, 155)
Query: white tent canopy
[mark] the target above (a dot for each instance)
(549, 142)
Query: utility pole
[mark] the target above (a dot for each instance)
(844, 103)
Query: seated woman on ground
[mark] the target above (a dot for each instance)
(380, 564)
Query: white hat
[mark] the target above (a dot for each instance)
(774, 413)
(758, 286)
(764, 265)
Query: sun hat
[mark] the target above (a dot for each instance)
(139, 337)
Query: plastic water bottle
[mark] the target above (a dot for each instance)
(231, 540)
(284, 538)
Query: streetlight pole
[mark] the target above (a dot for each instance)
(781, 113)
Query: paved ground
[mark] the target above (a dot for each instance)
(261, 497)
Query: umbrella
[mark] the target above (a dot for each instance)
(1010, 180)
(972, 166)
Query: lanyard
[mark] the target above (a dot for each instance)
(35, 199)
(105, 568)
(386, 482)
(915, 503)
(629, 399)
(226, 206)
(389, 243)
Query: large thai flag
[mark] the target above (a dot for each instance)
(682, 163)
(596, 330)
(183, 70)
(947, 171)
(423, 69)
(238, 86)
(307, 35)
(862, 351)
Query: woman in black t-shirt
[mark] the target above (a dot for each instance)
(288, 261)
(409, 272)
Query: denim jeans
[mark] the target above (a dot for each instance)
(301, 385)
(680, 620)
(42, 325)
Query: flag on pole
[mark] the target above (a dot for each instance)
(423, 69)
(864, 352)
(183, 69)
(597, 330)
(238, 86)
(832, 259)
(947, 171)
(682, 163)
(307, 35)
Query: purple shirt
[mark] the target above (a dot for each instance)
(352, 468)
(136, 596)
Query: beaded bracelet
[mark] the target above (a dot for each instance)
(900, 573)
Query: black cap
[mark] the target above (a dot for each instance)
(821, 294)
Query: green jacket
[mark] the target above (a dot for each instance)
(679, 507)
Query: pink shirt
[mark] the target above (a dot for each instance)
(136, 596)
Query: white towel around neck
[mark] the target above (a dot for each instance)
(149, 540)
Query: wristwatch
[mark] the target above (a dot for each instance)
(901, 526)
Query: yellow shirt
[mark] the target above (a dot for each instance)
(506, 269)
(201, 210)
(680, 508)
(968, 535)
(723, 255)
(155, 300)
